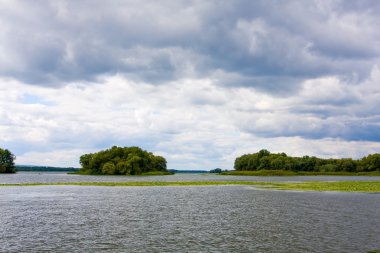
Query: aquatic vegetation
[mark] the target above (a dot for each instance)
(343, 186)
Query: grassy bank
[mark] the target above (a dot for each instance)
(345, 186)
(295, 173)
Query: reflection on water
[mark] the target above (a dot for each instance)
(185, 219)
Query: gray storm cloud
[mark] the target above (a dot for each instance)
(259, 42)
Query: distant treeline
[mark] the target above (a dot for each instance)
(217, 170)
(122, 161)
(44, 168)
(264, 160)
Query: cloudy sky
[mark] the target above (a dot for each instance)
(198, 82)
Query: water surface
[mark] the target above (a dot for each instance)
(183, 219)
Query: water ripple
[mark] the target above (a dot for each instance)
(185, 219)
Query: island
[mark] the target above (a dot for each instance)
(123, 161)
(266, 163)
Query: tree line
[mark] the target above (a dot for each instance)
(122, 161)
(264, 160)
(45, 168)
(135, 161)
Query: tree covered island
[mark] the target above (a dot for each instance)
(264, 160)
(122, 161)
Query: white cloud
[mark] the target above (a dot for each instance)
(194, 123)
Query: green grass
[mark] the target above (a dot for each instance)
(294, 173)
(343, 186)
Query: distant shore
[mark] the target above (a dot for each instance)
(35, 168)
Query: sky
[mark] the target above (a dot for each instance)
(199, 82)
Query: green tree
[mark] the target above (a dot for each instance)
(122, 161)
(370, 163)
(109, 168)
(159, 163)
(85, 161)
(217, 170)
(124, 168)
(346, 164)
(278, 162)
(7, 164)
(266, 160)
(136, 167)
(263, 153)
(264, 163)
(253, 162)
(328, 168)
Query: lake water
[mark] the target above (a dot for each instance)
(183, 219)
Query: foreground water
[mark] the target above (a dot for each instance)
(182, 219)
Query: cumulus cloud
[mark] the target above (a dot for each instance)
(191, 122)
(199, 82)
